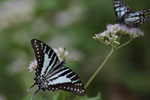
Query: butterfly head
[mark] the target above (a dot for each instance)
(41, 83)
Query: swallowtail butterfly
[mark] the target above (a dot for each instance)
(128, 17)
(51, 74)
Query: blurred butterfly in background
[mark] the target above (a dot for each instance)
(51, 74)
(128, 17)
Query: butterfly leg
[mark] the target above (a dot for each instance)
(35, 93)
(31, 87)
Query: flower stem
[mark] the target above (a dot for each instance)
(97, 71)
(124, 44)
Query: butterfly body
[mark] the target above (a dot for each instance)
(51, 74)
(128, 17)
(41, 82)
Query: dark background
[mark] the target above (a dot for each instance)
(72, 24)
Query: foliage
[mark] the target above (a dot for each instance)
(35, 98)
(98, 97)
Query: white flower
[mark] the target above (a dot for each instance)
(112, 35)
(133, 32)
(61, 53)
(33, 64)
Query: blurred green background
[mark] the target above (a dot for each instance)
(72, 24)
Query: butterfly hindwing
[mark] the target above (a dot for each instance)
(65, 79)
(136, 18)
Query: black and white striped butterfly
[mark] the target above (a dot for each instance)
(51, 73)
(128, 17)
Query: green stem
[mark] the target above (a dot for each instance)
(97, 71)
(124, 44)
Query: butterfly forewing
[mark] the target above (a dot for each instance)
(45, 57)
(120, 9)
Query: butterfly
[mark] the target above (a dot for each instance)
(51, 74)
(126, 16)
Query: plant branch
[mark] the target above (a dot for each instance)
(99, 68)
(97, 71)
(126, 43)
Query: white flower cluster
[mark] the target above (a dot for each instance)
(111, 36)
(32, 66)
(123, 29)
(61, 53)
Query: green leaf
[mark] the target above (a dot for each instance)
(98, 97)
(57, 96)
(34, 98)
(61, 95)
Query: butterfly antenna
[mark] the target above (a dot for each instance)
(35, 93)
(31, 87)
(146, 10)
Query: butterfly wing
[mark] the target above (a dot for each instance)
(120, 9)
(45, 56)
(65, 79)
(135, 19)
